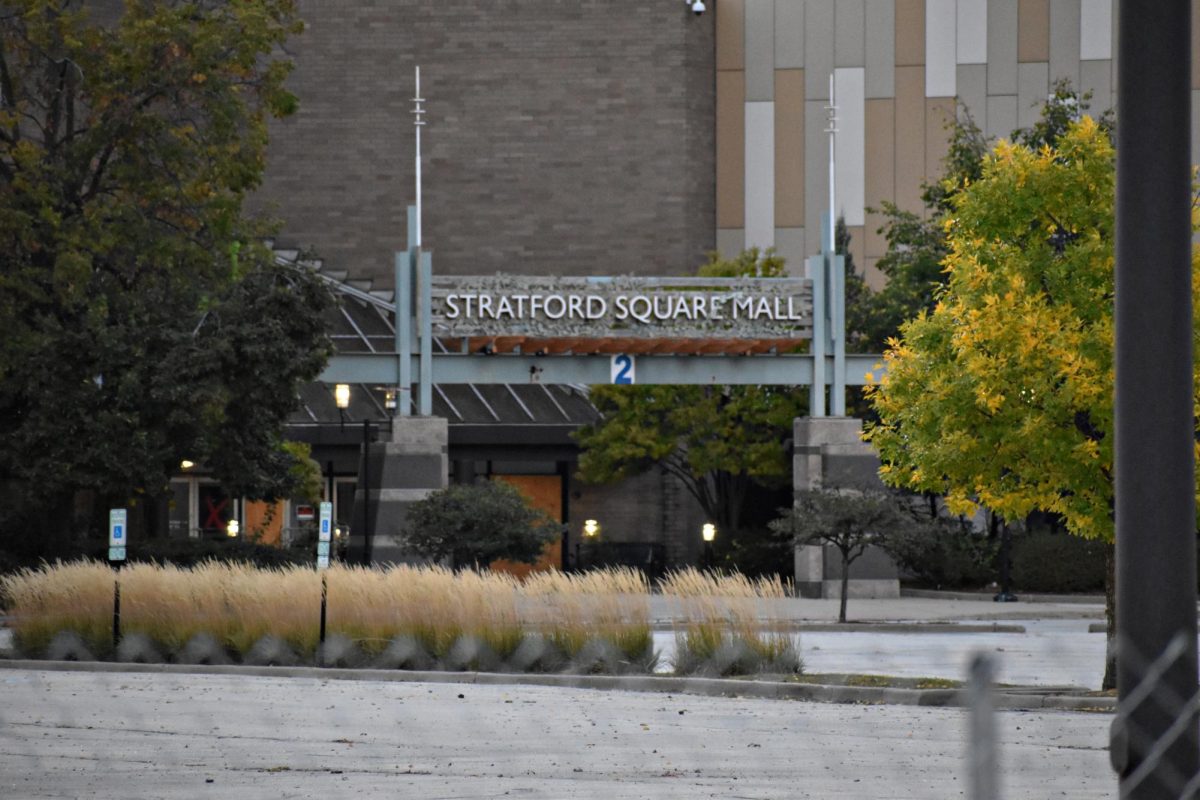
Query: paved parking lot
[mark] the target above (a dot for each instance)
(126, 735)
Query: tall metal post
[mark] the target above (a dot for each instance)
(816, 392)
(365, 477)
(425, 331)
(1154, 428)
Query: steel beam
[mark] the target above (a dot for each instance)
(451, 368)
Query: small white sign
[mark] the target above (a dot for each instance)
(323, 549)
(325, 531)
(117, 527)
(622, 369)
(322, 562)
(116, 554)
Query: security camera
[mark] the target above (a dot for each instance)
(697, 7)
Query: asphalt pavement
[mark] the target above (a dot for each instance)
(164, 735)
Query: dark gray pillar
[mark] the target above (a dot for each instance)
(1155, 517)
(400, 472)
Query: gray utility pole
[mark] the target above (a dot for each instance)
(1155, 516)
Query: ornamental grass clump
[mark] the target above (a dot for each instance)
(73, 597)
(597, 621)
(725, 624)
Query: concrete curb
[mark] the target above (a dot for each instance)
(1031, 597)
(712, 687)
(875, 627)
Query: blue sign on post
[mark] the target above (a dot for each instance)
(324, 531)
(326, 526)
(118, 520)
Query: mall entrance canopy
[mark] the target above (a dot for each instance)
(508, 329)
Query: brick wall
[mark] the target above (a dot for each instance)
(562, 136)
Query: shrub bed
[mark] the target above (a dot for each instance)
(402, 617)
(1057, 562)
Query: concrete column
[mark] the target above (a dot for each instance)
(830, 453)
(400, 472)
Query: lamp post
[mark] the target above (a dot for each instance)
(591, 533)
(341, 398)
(708, 533)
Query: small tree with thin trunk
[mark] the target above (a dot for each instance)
(848, 519)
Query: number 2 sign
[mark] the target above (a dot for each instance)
(622, 369)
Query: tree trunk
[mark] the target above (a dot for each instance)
(1110, 617)
(845, 587)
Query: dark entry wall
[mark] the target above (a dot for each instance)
(562, 137)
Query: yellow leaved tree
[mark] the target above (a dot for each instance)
(1002, 396)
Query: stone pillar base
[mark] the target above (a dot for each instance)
(400, 472)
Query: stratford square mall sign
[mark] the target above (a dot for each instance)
(503, 305)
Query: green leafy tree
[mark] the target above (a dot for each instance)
(916, 243)
(144, 320)
(1001, 397)
(849, 520)
(476, 524)
(717, 440)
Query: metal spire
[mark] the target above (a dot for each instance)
(418, 121)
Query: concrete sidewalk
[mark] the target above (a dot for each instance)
(929, 608)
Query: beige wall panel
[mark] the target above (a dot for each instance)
(1195, 45)
(972, 92)
(789, 148)
(1002, 48)
(1001, 116)
(731, 148)
(881, 48)
(1065, 45)
(791, 246)
(910, 33)
(818, 47)
(1033, 84)
(910, 137)
(730, 242)
(881, 169)
(1195, 130)
(939, 114)
(760, 50)
(789, 34)
(849, 34)
(1033, 30)
(857, 248)
(731, 34)
(816, 170)
(872, 274)
(1096, 77)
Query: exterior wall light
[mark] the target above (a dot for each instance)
(389, 399)
(708, 532)
(231, 528)
(341, 395)
(591, 528)
(185, 464)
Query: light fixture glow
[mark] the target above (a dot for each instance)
(232, 528)
(185, 464)
(389, 399)
(591, 528)
(709, 531)
(341, 395)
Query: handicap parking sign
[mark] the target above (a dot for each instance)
(118, 518)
